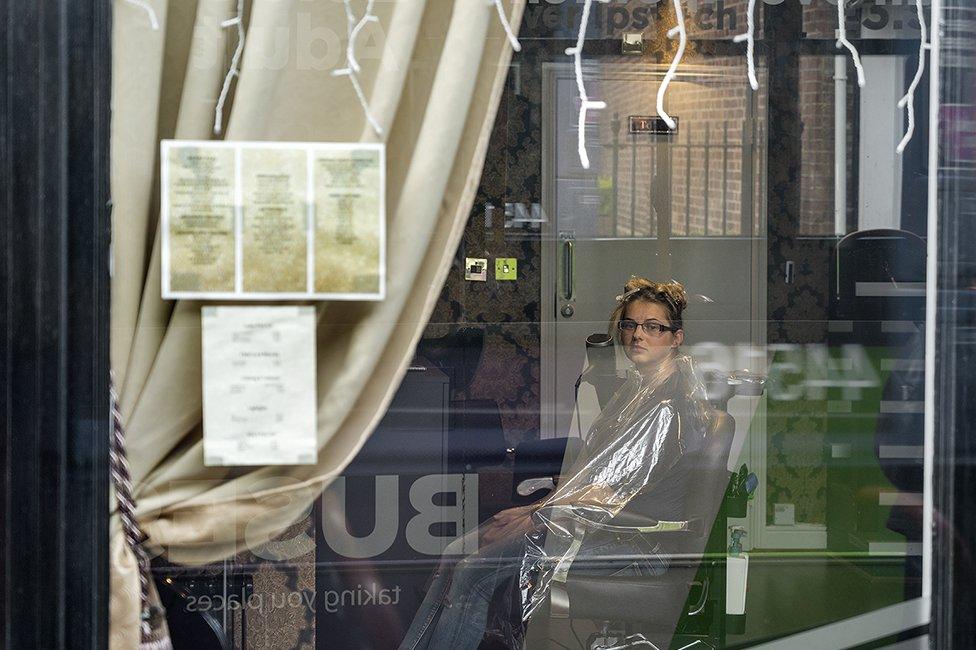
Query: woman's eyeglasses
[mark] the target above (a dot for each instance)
(650, 327)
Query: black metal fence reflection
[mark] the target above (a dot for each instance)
(653, 187)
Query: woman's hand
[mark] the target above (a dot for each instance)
(508, 523)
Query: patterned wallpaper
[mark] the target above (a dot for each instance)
(796, 473)
(285, 620)
(508, 311)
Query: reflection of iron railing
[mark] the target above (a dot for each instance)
(661, 150)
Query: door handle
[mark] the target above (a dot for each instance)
(568, 255)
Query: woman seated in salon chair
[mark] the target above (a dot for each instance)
(641, 458)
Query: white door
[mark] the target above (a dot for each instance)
(687, 206)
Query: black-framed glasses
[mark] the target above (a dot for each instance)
(651, 327)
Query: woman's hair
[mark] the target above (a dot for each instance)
(669, 294)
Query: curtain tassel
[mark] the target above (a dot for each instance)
(154, 634)
(157, 636)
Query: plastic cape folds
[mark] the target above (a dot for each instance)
(631, 451)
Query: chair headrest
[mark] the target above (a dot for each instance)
(720, 424)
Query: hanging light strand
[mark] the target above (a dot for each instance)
(585, 102)
(353, 27)
(509, 32)
(909, 99)
(142, 4)
(679, 31)
(235, 62)
(750, 38)
(843, 42)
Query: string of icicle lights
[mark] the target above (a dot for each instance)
(682, 34)
(352, 67)
(909, 98)
(142, 4)
(750, 38)
(235, 63)
(507, 26)
(843, 42)
(586, 103)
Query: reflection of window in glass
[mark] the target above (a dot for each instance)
(717, 155)
(872, 189)
(707, 180)
(879, 188)
(819, 93)
(626, 182)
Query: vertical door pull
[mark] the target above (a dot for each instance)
(568, 251)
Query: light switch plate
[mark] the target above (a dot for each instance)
(476, 269)
(506, 268)
(784, 514)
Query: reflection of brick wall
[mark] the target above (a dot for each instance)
(817, 145)
(715, 108)
(817, 117)
(705, 188)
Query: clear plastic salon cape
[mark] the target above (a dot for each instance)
(640, 464)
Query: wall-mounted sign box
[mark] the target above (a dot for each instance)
(272, 220)
(652, 125)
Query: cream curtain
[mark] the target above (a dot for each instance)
(433, 72)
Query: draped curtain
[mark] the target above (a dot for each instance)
(433, 73)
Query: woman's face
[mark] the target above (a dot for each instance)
(644, 349)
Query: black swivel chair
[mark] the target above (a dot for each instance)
(687, 602)
(878, 305)
(876, 283)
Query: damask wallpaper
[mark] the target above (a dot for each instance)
(507, 311)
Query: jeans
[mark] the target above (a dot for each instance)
(454, 613)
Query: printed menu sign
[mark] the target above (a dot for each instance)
(259, 398)
(200, 227)
(274, 216)
(272, 220)
(347, 238)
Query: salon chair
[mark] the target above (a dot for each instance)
(183, 593)
(537, 463)
(875, 282)
(687, 602)
(877, 308)
(476, 438)
(457, 354)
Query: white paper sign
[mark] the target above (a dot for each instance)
(272, 220)
(259, 399)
